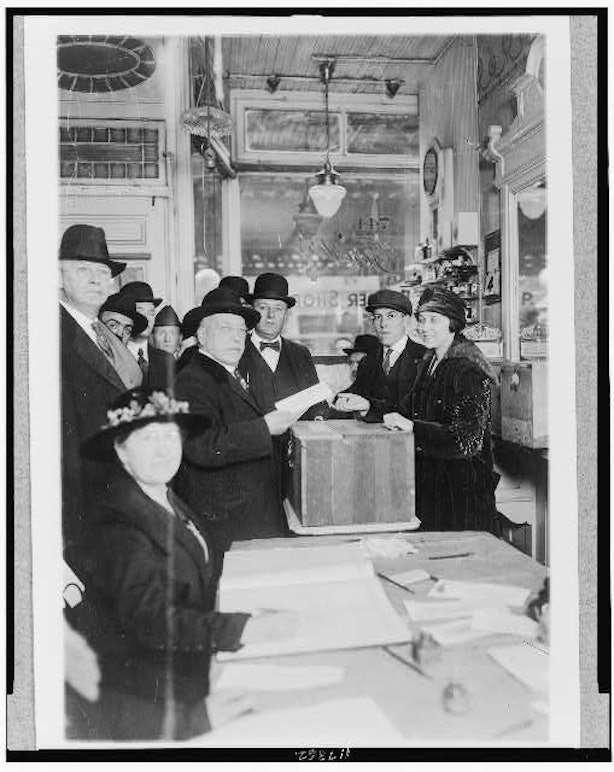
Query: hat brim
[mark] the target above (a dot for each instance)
(287, 299)
(250, 315)
(100, 446)
(392, 306)
(115, 265)
(140, 324)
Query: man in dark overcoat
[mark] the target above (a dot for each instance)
(90, 358)
(228, 475)
(388, 371)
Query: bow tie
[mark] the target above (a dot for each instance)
(274, 344)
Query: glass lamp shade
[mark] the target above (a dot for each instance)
(327, 196)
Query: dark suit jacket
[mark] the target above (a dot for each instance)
(89, 385)
(161, 370)
(227, 475)
(295, 371)
(151, 596)
(386, 392)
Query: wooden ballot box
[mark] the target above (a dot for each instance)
(350, 476)
(524, 403)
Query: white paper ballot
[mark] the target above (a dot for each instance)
(448, 609)
(411, 577)
(502, 620)
(452, 633)
(489, 594)
(528, 664)
(273, 678)
(354, 722)
(303, 400)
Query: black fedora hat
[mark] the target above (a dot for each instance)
(189, 325)
(237, 284)
(221, 300)
(126, 307)
(89, 243)
(386, 298)
(363, 344)
(271, 286)
(140, 292)
(166, 317)
(133, 410)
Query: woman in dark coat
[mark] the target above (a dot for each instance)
(449, 411)
(149, 586)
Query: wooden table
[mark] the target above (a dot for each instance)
(500, 709)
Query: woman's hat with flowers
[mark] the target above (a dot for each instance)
(133, 410)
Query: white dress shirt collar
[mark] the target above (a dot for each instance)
(82, 320)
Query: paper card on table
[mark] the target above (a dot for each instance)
(445, 609)
(452, 633)
(387, 547)
(410, 577)
(488, 594)
(353, 722)
(502, 620)
(264, 677)
(303, 400)
(528, 664)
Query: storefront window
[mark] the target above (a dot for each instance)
(331, 265)
(532, 271)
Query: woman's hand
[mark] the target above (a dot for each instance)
(268, 625)
(397, 422)
(348, 403)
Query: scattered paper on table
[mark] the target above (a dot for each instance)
(264, 677)
(452, 633)
(488, 594)
(387, 547)
(303, 400)
(410, 577)
(354, 722)
(426, 611)
(502, 620)
(528, 664)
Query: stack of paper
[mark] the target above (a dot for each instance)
(487, 594)
(303, 400)
(356, 722)
(329, 597)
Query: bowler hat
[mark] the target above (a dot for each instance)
(221, 300)
(140, 292)
(133, 410)
(237, 284)
(89, 243)
(126, 307)
(363, 344)
(166, 317)
(271, 286)
(386, 298)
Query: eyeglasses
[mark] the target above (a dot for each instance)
(388, 316)
(119, 327)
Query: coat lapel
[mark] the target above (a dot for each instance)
(222, 375)
(89, 352)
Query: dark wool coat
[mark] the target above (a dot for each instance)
(455, 483)
(89, 384)
(185, 357)
(228, 474)
(161, 370)
(151, 597)
(385, 392)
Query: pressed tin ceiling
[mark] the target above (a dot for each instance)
(103, 63)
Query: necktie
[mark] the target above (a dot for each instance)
(274, 344)
(102, 339)
(142, 362)
(386, 363)
(241, 380)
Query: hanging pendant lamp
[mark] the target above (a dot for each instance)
(326, 194)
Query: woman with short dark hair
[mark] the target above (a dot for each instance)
(448, 409)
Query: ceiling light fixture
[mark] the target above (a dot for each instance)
(326, 194)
